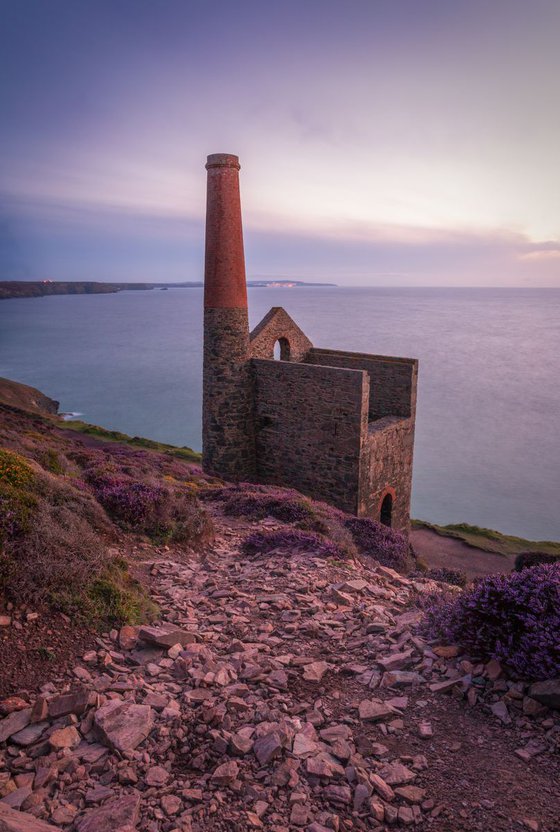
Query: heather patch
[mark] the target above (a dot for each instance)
(256, 503)
(454, 577)
(513, 618)
(293, 541)
(160, 510)
(98, 432)
(49, 538)
(385, 545)
(527, 559)
(134, 505)
(63, 502)
(330, 523)
(53, 543)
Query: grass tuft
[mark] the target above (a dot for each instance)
(490, 540)
(184, 453)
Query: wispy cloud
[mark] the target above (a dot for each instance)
(73, 240)
(385, 137)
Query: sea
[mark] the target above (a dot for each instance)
(488, 425)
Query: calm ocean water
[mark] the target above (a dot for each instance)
(488, 429)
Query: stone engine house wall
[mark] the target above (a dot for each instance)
(392, 380)
(387, 469)
(309, 424)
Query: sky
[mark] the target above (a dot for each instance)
(382, 142)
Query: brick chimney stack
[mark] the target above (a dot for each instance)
(224, 269)
(227, 431)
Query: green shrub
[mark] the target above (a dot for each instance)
(52, 461)
(113, 597)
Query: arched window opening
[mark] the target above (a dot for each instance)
(386, 514)
(282, 350)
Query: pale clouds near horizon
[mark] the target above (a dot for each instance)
(381, 141)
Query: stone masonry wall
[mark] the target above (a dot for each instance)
(228, 442)
(308, 427)
(392, 380)
(278, 326)
(387, 467)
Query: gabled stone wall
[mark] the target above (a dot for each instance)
(278, 326)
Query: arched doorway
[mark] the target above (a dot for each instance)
(386, 513)
(282, 350)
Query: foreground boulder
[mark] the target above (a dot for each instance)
(12, 821)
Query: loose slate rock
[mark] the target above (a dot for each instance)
(396, 774)
(266, 748)
(156, 776)
(65, 738)
(315, 671)
(69, 703)
(13, 723)
(374, 710)
(118, 815)
(225, 774)
(123, 725)
(13, 821)
(166, 636)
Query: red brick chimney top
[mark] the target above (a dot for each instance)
(224, 270)
(222, 160)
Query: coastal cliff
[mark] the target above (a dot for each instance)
(26, 398)
(43, 288)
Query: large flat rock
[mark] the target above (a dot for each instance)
(123, 725)
(118, 815)
(16, 721)
(166, 635)
(13, 821)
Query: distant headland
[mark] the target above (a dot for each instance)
(42, 288)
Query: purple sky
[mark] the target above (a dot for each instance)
(406, 142)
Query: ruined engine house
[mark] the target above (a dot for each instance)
(338, 426)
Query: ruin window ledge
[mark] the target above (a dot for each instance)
(378, 425)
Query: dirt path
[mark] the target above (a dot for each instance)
(438, 551)
(294, 696)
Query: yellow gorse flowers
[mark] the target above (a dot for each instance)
(14, 469)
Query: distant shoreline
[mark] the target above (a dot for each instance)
(10, 289)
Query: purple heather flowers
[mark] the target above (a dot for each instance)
(388, 547)
(513, 618)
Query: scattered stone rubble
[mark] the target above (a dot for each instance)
(268, 699)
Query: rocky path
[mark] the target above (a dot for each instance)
(280, 694)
